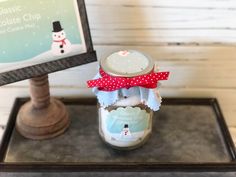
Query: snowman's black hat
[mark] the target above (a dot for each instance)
(57, 26)
(126, 126)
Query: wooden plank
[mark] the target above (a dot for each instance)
(209, 4)
(158, 18)
(190, 67)
(160, 37)
(176, 54)
(152, 22)
(208, 67)
(190, 76)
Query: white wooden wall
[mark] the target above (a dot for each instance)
(194, 39)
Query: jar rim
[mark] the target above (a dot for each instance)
(112, 72)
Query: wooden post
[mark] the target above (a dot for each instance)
(42, 117)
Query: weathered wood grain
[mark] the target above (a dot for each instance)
(191, 67)
(42, 117)
(162, 22)
(192, 4)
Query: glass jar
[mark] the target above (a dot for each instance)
(126, 88)
(125, 126)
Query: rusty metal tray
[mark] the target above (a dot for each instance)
(189, 134)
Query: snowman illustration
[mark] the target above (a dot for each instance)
(125, 133)
(61, 45)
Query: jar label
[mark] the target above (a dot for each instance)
(126, 124)
(135, 118)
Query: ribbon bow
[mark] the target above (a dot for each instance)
(111, 83)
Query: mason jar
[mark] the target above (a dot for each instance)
(126, 88)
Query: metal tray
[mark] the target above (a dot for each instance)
(188, 135)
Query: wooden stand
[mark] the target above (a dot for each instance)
(42, 117)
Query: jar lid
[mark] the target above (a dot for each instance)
(128, 63)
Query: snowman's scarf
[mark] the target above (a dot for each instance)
(63, 41)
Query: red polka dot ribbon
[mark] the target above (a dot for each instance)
(111, 83)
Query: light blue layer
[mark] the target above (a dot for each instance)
(148, 96)
(136, 119)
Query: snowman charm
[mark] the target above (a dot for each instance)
(61, 45)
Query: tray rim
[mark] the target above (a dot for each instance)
(127, 167)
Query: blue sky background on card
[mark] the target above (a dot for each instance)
(26, 27)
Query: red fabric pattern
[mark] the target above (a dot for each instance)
(111, 83)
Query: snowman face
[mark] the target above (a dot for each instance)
(59, 35)
(126, 129)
